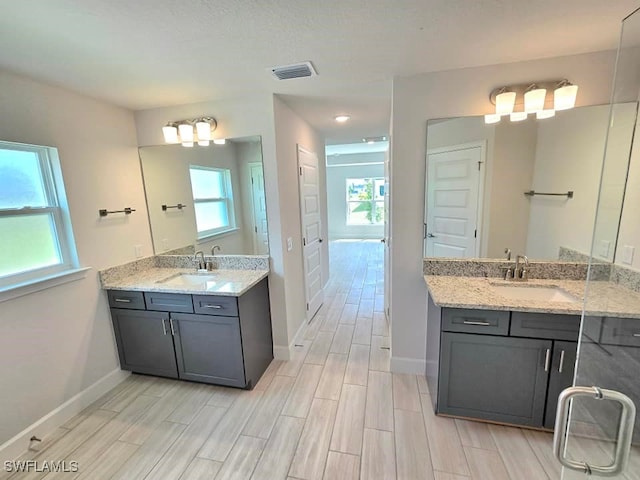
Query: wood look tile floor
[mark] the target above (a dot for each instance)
(333, 412)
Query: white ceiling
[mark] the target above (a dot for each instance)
(147, 53)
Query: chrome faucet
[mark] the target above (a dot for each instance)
(507, 251)
(521, 273)
(214, 248)
(202, 265)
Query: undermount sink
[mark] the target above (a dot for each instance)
(534, 292)
(190, 279)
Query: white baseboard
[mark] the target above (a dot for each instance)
(285, 353)
(16, 446)
(412, 366)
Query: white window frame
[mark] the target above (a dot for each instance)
(373, 202)
(58, 208)
(226, 199)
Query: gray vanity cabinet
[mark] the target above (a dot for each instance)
(209, 349)
(227, 341)
(561, 376)
(493, 378)
(145, 344)
(499, 366)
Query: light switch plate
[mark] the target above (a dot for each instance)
(605, 245)
(289, 244)
(627, 254)
(138, 250)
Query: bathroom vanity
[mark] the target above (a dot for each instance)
(213, 328)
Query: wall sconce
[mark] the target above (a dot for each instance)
(187, 132)
(533, 99)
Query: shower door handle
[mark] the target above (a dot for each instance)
(623, 440)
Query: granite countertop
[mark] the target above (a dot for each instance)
(232, 283)
(604, 298)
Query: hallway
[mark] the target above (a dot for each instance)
(334, 412)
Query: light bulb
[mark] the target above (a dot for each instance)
(564, 97)
(203, 129)
(170, 133)
(505, 102)
(518, 116)
(203, 143)
(534, 99)
(187, 144)
(186, 132)
(492, 118)
(220, 141)
(342, 118)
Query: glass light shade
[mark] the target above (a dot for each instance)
(518, 116)
(203, 143)
(187, 144)
(203, 129)
(220, 141)
(564, 98)
(492, 118)
(170, 134)
(186, 133)
(542, 114)
(534, 100)
(505, 102)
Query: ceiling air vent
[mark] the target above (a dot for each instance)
(297, 70)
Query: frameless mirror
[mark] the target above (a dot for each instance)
(202, 197)
(530, 187)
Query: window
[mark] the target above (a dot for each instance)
(213, 200)
(365, 201)
(36, 240)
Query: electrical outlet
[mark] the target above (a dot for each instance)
(605, 245)
(138, 250)
(627, 254)
(289, 244)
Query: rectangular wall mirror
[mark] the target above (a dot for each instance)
(200, 197)
(487, 185)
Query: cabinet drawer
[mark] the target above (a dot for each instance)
(125, 299)
(215, 305)
(621, 331)
(545, 325)
(169, 302)
(475, 321)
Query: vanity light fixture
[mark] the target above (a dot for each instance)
(564, 96)
(187, 132)
(531, 98)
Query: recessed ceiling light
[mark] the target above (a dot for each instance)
(342, 118)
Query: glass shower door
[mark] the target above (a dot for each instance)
(597, 430)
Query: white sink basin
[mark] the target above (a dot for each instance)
(531, 292)
(203, 280)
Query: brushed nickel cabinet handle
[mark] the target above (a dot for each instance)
(212, 306)
(482, 324)
(173, 332)
(122, 300)
(164, 327)
(547, 360)
(561, 366)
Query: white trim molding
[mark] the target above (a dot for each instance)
(15, 447)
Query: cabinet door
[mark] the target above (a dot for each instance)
(209, 349)
(493, 378)
(562, 368)
(144, 342)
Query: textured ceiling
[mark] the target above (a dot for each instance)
(148, 53)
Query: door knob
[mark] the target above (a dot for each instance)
(320, 240)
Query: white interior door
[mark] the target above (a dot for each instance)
(260, 230)
(387, 239)
(309, 186)
(454, 201)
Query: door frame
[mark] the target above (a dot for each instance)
(482, 144)
(254, 234)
